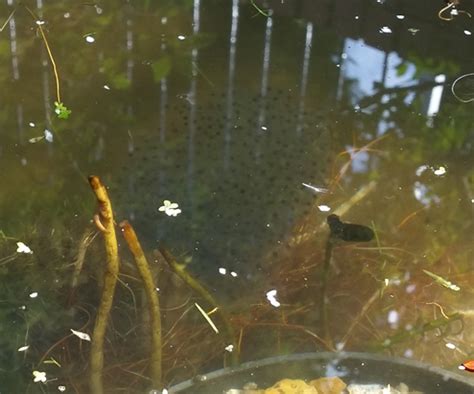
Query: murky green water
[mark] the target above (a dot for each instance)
(258, 128)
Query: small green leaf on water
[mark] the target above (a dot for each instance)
(161, 68)
(61, 110)
(401, 69)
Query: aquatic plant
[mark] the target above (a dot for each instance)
(61, 110)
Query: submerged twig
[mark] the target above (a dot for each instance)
(8, 20)
(259, 10)
(323, 303)
(87, 237)
(451, 7)
(110, 281)
(180, 270)
(421, 329)
(152, 298)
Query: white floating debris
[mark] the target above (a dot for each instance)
(66, 15)
(401, 17)
(31, 124)
(39, 376)
(62, 389)
(413, 30)
(22, 248)
(317, 189)
(48, 136)
(271, 297)
(233, 274)
(421, 169)
(370, 389)
(222, 271)
(264, 128)
(410, 288)
(170, 208)
(34, 294)
(23, 348)
(106, 87)
(385, 30)
(89, 39)
(393, 317)
(34, 140)
(229, 348)
(39, 23)
(439, 171)
(181, 37)
(356, 17)
(467, 32)
(324, 208)
(450, 345)
(81, 335)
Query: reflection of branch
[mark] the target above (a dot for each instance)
(367, 101)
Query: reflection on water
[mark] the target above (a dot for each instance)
(258, 128)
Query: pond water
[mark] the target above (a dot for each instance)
(259, 120)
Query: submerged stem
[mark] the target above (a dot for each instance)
(110, 281)
(152, 298)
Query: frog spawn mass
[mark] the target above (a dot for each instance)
(235, 165)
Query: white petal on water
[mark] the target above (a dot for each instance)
(271, 297)
(48, 135)
(467, 32)
(34, 294)
(22, 248)
(23, 348)
(82, 335)
(324, 208)
(39, 376)
(385, 30)
(439, 171)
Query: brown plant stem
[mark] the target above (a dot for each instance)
(152, 298)
(323, 310)
(108, 290)
(180, 270)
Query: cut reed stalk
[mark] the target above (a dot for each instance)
(152, 299)
(108, 290)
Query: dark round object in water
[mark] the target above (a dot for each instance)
(352, 368)
(349, 232)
